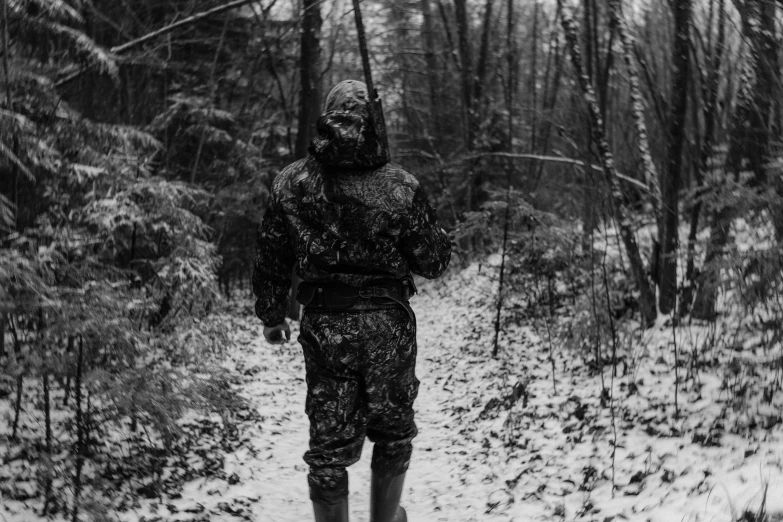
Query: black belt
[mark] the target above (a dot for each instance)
(337, 296)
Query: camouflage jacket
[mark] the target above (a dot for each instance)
(342, 214)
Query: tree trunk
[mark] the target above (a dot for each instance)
(17, 406)
(6, 49)
(637, 105)
(533, 88)
(466, 83)
(590, 190)
(671, 182)
(482, 64)
(2, 334)
(509, 166)
(646, 299)
(478, 191)
(80, 432)
(309, 102)
(309, 76)
(452, 51)
(466, 72)
(433, 72)
(709, 111)
(768, 97)
(549, 96)
(48, 439)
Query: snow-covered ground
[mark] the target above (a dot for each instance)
(506, 439)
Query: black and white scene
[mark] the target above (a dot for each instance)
(391, 260)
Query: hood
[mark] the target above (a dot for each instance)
(346, 137)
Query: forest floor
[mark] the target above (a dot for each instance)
(521, 437)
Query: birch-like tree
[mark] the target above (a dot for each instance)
(621, 212)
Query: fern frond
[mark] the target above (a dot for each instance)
(10, 156)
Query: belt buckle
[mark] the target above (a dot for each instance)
(368, 292)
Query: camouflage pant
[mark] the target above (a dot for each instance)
(361, 381)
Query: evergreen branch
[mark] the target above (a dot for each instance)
(22, 121)
(85, 46)
(9, 154)
(7, 213)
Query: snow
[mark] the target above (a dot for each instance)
(496, 442)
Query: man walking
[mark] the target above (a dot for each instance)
(356, 227)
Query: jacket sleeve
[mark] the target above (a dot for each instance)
(272, 268)
(423, 243)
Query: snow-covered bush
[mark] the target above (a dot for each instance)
(107, 277)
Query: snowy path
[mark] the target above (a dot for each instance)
(496, 443)
(446, 480)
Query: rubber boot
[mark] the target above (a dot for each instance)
(331, 513)
(385, 493)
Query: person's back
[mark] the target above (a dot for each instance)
(356, 227)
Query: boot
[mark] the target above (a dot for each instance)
(385, 493)
(331, 513)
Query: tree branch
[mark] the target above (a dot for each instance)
(163, 30)
(553, 159)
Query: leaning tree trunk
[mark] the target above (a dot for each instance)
(637, 105)
(646, 298)
(671, 180)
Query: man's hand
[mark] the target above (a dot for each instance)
(274, 334)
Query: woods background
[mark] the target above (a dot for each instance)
(139, 139)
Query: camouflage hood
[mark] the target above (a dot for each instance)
(346, 137)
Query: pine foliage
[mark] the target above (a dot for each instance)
(39, 22)
(108, 271)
